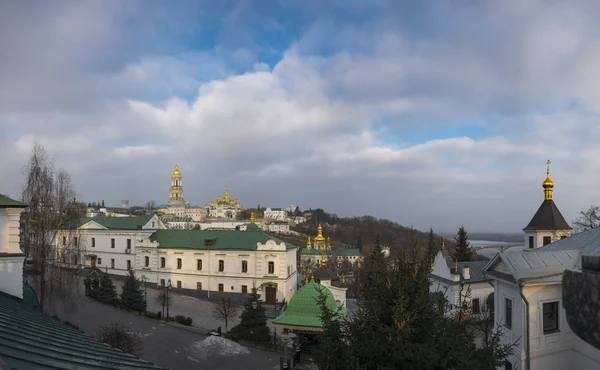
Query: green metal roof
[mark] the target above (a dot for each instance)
(303, 309)
(32, 340)
(6, 202)
(221, 239)
(117, 223)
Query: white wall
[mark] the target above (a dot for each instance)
(11, 266)
(11, 276)
(502, 291)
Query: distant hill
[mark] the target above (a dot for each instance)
(353, 232)
(493, 237)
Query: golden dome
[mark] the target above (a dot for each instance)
(548, 184)
(176, 171)
(319, 238)
(251, 217)
(308, 244)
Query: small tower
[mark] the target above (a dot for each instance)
(548, 224)
(176, 194)
(320, 241)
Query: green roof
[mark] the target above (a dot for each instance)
(6, 202)
(32, 340)
(220, 239)
(117, 223)
(303, 309)
(336, 252)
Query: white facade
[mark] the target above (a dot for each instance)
(184, 223)
(282, 228)
(226, 207)
(538, 238)
(112, 250)
(222, 225)
(555, 350)
(338, 293)
(11, 256)
(277, 214)
(199, 269)
(299, 219)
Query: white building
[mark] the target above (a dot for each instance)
(177, 205)
(461, 282)
(280, 227)
(219, 261)
(299, 219)
(226, 207)
(181, 223)
(277, 214)
(223, 224)
(528, 292)
(11, 256)
(109, 242)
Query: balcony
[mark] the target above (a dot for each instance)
(581, 293)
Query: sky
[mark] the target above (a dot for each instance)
(431, 114)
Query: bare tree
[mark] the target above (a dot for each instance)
(588, 219)
(116, 335)
(50, 240)
(150, 205)
(224, 310)
(162, 299)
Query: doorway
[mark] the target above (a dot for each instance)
(270, 295)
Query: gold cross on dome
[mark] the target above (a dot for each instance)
(548, 167)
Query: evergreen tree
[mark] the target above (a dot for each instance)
(431, 247)
(132, 295)
(399, 324)
(253, 324)
(462, 251)
(107, 292)
(359, 243)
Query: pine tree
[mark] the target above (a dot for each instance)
(132, 295)
(462, 251)
(107, 292)
(253, 324)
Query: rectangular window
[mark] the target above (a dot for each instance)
(93, 242)
(162, 282)
(244, 266)
(162, 262)
(531, 246)
(146, 261)
(475, 305)
(75, 240)
(547, 240)
(99, 261)
(64, 240)
(271, 267)
(128, 265)
(220, 287)
(112, 242)
(550, 313)
(199, 265)
(128, 243)
(199, 285)
(244, 289)
(508, 313)
(112, 263)
(179, 263)
(221, 265)
(179, 284)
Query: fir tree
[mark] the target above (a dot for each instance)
(132, 295)
(253, 324)
(107, 292)
(462, 251)
(399, 324)
(431, 247)
(359, 243)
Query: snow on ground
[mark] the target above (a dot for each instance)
(215, 345)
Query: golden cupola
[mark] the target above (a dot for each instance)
(176, 171)
(308, 243)
(319, 239)
(548, 184)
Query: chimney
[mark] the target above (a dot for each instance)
(466, 273)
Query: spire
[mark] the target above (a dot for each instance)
(176, 171)
(443, 243)
(251, 217)
(548, 184)
(319, 238)
(308, 244)
(323, 259)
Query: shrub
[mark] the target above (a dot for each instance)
(153, 315)
(187, 321)
(116, 335)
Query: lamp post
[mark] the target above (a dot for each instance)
(285, 339)
(144, 279)
(168, 288)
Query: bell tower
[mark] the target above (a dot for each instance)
(176, 194)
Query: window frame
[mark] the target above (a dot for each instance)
(199, 264)
(244, 266)
(128, 243)
(163, 262)
(178, 284)
(179, 263)
(508, 318)
(146, 261)
(112, 263)
(271, 267)
(245, 289)
(548, 239)
(99, 260)
(128, 265)
(199, 285)
(544, 315)
(221, 265)
(112, 243)
(93, 242)
(221, 287)
(475, 308)
(531, 243)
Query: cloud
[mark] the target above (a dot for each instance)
(118, 97)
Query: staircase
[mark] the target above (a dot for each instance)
(270, 311)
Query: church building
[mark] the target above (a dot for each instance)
(177, 206)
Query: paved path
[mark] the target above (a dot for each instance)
(163, 344)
